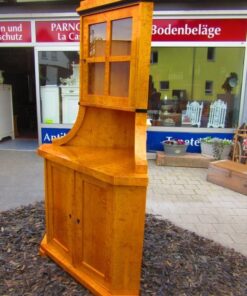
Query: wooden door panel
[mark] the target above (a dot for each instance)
(95, 210)
(59, 195)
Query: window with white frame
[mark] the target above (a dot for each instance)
(187, 72)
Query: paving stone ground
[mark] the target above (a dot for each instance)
(183, 196)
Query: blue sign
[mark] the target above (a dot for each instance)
(48, 134)
(154, 139)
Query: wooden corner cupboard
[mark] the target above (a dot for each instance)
(96, 176)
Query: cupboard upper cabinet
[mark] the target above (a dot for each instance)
(111, 60)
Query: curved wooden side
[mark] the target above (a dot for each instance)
(140, 143)
(76, 127)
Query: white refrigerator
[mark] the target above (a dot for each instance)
(6, 112)
(50, 104)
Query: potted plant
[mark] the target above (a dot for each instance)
(175, 146)
(216, 147)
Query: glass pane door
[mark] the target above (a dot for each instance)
(121, 37)
(108, 55)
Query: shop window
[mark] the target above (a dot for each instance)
(59, 86)
(54, 56)
(44, 55)
(164, 85)
(183, 75)
(154, 57)
(211, 54)
(209, 87)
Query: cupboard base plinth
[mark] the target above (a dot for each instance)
(84, 279)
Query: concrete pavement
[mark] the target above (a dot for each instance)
(21, 178)
(181, 195)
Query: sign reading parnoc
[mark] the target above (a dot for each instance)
(58, 31)
(199, 30)
(16, 32)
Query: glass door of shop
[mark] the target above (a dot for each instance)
(18, 71)
(57, 81)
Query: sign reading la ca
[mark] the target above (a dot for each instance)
(58, 31)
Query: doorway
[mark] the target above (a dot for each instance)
(17, 64)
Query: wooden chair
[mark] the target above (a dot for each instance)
(240, 145)
(217, 114)
(194, 112)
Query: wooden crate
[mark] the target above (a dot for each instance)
(192, 160)
(228, 174)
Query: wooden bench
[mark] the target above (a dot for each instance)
(192, 160)
(229, 174)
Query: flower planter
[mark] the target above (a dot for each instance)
(209, 150)
(175, 149)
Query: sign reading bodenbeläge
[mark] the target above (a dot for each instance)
(199, 30)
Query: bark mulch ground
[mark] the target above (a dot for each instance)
(176, 262)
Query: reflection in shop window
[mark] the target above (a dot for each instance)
(154, 57)
(44, 55)
(208, 87)
(59, 86)
(54, 56)
(194, 78)
(211, 54)
(164, 85)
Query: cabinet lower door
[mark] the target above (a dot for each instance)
(59, 200)
(93, 234)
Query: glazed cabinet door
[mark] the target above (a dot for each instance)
(59, 200)
(108, 53)
(92, 241)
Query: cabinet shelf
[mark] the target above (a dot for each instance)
(90, 161)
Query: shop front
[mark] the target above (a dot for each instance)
(57, 73)
(197, 78)
(198, 69)
(39, 61)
